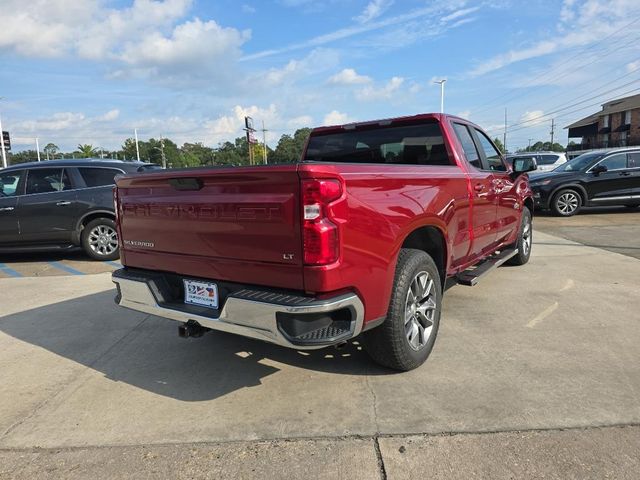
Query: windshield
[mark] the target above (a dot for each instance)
(410, 145)
(579, 163)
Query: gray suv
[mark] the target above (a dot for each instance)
(62, 204)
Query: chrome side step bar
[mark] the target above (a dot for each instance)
(472, 276)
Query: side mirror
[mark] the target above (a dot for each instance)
(524, 165)
(599, 169)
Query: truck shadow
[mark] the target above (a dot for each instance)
(146, 352)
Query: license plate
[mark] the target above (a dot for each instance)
(204, 294)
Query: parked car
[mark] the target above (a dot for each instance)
(61, 204)
(606, 177)
(359, 237)
(546, 161)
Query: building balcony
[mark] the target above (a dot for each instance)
(629, 142)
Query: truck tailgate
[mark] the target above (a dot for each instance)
(234, 224)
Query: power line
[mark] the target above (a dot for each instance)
(572, 111)
(562, 67)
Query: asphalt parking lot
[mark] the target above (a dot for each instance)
(535, 374)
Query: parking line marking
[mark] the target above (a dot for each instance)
(543, 314)
(569, 285)
(9, 271)
(65, 268)
(113, 264)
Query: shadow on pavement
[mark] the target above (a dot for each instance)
(146, 352)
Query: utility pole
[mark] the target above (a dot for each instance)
(529, 147)
(264, 143)
(38, 148)
(553, 128)
(135, 131)
(504, 137)
(441, 82)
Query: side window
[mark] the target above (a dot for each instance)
(47, 180)
(634, 160)
(494, 158)
(549, 159)
(98, 177)
(9, 183)
(615, 162)
(469, 147)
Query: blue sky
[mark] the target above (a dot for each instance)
(90, 71)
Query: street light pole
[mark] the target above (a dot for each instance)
(4, 155)
(135, 131)
(441, 82)
(38, 148)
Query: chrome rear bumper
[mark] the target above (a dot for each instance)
(250, 313)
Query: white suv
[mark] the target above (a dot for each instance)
(546, 161)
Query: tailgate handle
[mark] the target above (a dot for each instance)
(186, 183)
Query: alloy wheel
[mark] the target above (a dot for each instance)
(420, 310)
(103, 240)
(568, 203)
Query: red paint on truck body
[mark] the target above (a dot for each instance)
(245, 223)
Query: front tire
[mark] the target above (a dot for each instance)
(566, 203)
(525, 240)
(100, 240)
(406, 338)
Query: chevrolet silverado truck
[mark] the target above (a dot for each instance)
(357, 239)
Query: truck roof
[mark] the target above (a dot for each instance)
(387, 121)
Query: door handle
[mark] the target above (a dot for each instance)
(63, 204)
(625, 174)
(6, 209)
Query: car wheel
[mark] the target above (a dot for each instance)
(566, 203)
(406, 338)
(525, 240)
(100, 239)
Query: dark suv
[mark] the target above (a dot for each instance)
(61, 204)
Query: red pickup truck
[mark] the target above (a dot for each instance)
(356, 239)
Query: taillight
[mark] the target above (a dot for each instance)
(320, 234)
(115, 201)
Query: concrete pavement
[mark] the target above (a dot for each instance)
(552, 345)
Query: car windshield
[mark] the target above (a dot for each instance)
(579, 163)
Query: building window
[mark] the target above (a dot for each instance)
(627, 117)
(623, 139)
(605, 121)
(604, 139)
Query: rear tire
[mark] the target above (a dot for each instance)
(525, 240)
(406, 338)
(100, 240)
(566, 203)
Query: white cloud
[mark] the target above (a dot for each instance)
(248, 8)
(633, 66)
(349, 76)
(336, 118)
(300, 122)
(374, 9)
(413, 16)
(387, 91)
(464, 114)
(147, 38)
(529, 119)
(582, 23)
(110, 115)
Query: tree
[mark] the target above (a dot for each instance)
(22, 157)
(50, 150)
(86, 151)
(289, 149)
(198, 154)
(499, 145)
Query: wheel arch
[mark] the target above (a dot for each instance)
(572, 186)
(432, 240)
(88, 217)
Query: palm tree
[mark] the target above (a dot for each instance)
(86, 151)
